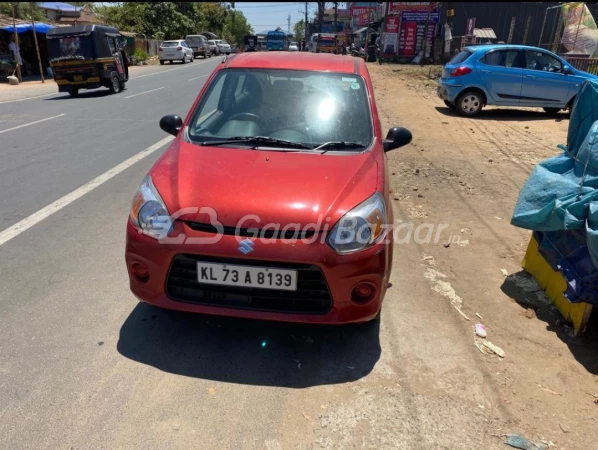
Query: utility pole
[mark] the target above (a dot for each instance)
(335, 16)
(306, 25)
(289, 24)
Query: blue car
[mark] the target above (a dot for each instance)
(509, 75)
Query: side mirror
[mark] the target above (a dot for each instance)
(397, 137)
(172, 124)
(567, 70)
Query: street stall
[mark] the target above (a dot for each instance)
(27, 46)
(559, 203)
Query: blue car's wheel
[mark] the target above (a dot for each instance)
(470, 103)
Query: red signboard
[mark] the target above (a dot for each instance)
(392, 24)
(397, 7)
(410, 34)
(363, 18)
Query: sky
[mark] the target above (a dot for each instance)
(264, 16)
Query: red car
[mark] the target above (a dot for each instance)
(272, 202)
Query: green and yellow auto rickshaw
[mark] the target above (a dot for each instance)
(88, 57)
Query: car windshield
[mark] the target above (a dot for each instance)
(170, 44)
(303, 107)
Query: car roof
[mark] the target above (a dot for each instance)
(322, 62)
(475, 48)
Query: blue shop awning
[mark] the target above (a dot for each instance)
(24, 27)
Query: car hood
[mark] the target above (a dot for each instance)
(260, 187)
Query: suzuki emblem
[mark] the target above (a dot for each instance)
(245, 246)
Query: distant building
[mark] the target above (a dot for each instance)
(65, 14)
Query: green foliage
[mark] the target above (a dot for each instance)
(236, 28)
(140, 55)
(174, 20)
(299, 30)
(23, 10)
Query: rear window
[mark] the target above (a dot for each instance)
(461, 57)
(170, 44)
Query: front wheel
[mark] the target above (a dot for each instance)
(449, 104)
(470, 103)
(552, 111)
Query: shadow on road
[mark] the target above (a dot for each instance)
(248, 351)
(82, 95)
(583, 348)
(507, 115)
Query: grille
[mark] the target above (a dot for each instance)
(251, 232)
(311, 297)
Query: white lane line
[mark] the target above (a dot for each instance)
(183, 66)
(31, 123)
(146, 92)
(43, 213)
(197, 78)
(28, 98)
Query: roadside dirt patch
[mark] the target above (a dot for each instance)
(466, 174)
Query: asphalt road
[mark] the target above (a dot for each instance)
(84, 365)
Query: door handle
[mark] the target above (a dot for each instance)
(531, 76)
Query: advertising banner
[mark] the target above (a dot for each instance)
(389, 44)
(397, 7)
(410, 35)
(392, 24)
(580, 34)
(420, 16)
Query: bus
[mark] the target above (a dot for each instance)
(326, 43)
(276, 41)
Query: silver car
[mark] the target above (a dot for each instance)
(176, 50)
(223, 46)
(214, 50)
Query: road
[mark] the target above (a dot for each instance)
(84, 365)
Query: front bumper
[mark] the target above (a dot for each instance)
(340, 274)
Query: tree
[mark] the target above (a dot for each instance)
(321, 7)
(23, 11)
(299, 30)
(214, 15)
(236, 27)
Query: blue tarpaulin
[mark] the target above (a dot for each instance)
(58, 6)
(22, 28)
(559, 201)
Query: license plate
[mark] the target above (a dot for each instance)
(245, 276)
(78, 78)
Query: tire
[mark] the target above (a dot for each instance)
(170, 62)
(74, 92)
(122, 85)
(185, 59)
(551, 111)
(470, 103)
(115, 85)
(161, 62)
(449, 104)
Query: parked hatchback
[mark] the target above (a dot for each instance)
(176, 50)
(272, 202)
(509, 75)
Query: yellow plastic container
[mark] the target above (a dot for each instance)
(554, 284)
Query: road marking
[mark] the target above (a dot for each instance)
(28, 98)
(197, 78)
(43, 213)
(31, 123)
(146, 92)
(183, 66)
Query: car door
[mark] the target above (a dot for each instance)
(501, 75)
(544, 82)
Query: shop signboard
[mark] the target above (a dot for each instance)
(398, 7)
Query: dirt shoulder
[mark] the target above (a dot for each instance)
(467, 173)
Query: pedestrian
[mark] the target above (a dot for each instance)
(15, 51)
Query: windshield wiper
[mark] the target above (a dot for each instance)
(337, 145)
(259, 140)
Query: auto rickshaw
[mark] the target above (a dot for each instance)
(88, 57)
(250, 43)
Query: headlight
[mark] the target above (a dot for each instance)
(148, 211)
(361, 227)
